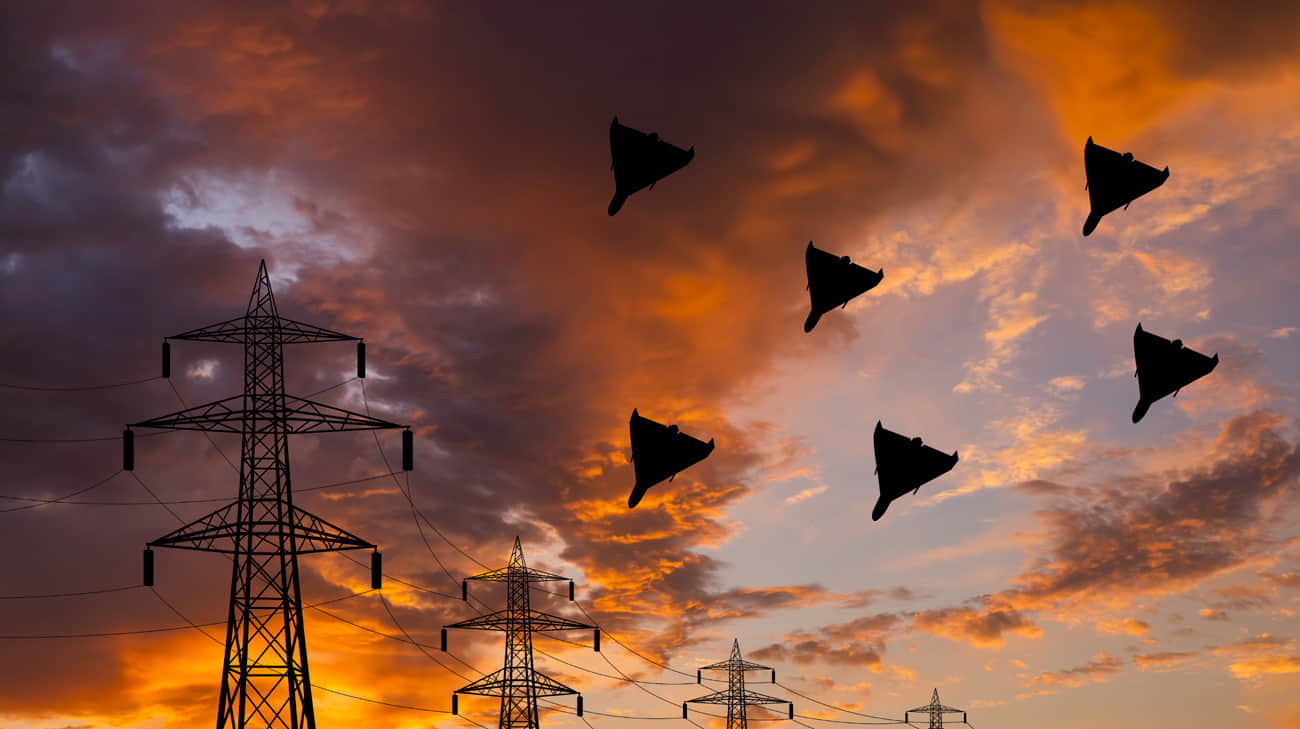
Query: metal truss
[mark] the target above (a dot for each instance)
(736, 697)
(517, 683)
(265, 682)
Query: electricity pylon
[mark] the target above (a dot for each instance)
(264, 679)
(517, 683)
(736, 697)
(936, 711)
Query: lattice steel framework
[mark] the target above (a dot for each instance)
(936, 711)
(736, 697)
(517, 683)
(264, 680)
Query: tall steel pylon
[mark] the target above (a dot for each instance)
(264, 678)
(936, 711)
(517, 683)
(736, 697)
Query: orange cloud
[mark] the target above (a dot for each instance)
(1098, 670)
(1159, 661)
(984, 628)
(1082, 58)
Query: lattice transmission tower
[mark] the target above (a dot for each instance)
(264, 678)
(936, 711)
(736, 697)
(517, 683)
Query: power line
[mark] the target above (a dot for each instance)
(82, 388)
(142, 631)
(105, 590)
(65, 499)
(75, 440)
(69, 495)
(832, 706)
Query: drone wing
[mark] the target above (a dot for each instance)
(686, 451)
(1188, 366)
(668, 158)
(931, 463)
(1142, 178)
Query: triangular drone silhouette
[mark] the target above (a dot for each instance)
(1165, 367)
(834, 281)
(640, 160)
(660, 452)
(1115, 179)
(905, 464)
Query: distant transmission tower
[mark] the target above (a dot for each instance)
(736, 697)
(936, 711)
(264, 680)
(517, 683)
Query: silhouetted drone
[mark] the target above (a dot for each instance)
(640, 160)
(660, 452)
(1115, 180)
(905, 464)
(834, 281)
(1165, 367)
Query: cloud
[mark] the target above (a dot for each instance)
(1262, 665)
(1127, 626)
(1124, 541)
(987, 627)
(1160, 661)
(807, 493)
(1098, 670)
(859, 642)
(1066, 383)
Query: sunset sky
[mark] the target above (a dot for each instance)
(433, 176)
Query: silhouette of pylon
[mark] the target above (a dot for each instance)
(264, 679)
(517, 683)
(936, 711)
(736, 697)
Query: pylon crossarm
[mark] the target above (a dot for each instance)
(546, 686)
(231, 330)
(296, 332)
(717, 697)
(753, 697)
(545, 621)
(220, 530)
(493, 684)
(307, 416)
(741, 665)
(314, 534)
(221, 416)
(237, 330)
(502, 620)
(299, 414)
(491, 621)
(529, 574)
